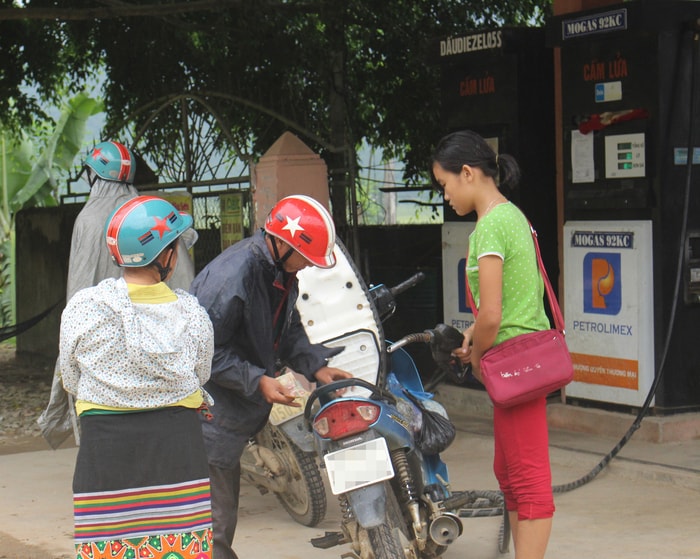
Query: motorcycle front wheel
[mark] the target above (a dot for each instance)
(305, 497)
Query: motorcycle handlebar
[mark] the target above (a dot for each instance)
(405, 285)
(384, 298)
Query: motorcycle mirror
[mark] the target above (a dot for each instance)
(383, 297)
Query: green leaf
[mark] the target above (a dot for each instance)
(16, 157)
(63, 146)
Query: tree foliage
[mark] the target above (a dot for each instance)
(31, 163)
(334, 72)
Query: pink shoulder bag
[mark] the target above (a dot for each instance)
(530, 365)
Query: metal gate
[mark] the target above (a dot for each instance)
(205, 161)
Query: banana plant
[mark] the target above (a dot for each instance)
(31, 165)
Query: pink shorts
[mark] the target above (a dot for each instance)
(521, 460)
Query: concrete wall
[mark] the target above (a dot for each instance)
(42, 249)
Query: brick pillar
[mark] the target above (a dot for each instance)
(288, 167)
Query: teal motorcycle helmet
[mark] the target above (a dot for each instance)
(143, 227)
(111, 161)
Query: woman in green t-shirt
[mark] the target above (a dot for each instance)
(504, 279)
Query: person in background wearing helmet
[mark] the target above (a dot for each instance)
(110, 171)
(250, 291)
(135, 355)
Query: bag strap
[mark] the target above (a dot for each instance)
(413, 399)
(553, 303)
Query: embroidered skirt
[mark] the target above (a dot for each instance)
(141, 487)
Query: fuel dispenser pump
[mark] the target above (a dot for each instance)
(500, 84)
(631, 239)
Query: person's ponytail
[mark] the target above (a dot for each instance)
(508, 171)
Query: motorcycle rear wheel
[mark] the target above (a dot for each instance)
(305, 499)
(384, 542)
(387, 540)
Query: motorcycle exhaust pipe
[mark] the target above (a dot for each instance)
(445, 529)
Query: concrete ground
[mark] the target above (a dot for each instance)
(645, 504)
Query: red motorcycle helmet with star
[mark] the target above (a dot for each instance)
(306, 225)
(143, 227)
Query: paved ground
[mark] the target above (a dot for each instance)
(644, 505)
(634, 509)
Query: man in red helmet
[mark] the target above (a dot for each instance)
(250, 291)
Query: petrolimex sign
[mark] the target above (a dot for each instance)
(608, 306)
(604, 22)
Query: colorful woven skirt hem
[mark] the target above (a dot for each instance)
(141, 487)
(195, 545)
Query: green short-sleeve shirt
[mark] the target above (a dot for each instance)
(505, 232)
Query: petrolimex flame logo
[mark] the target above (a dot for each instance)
(602, 283)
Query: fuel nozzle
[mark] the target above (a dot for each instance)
(444, 340)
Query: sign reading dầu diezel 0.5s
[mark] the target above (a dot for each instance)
(609, 310)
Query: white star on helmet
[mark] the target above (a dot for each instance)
(293, 225)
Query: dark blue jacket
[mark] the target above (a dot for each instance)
(242, 290)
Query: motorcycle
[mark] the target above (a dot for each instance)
(395, 499)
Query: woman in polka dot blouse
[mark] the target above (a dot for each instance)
(135, 355)
(504, 279)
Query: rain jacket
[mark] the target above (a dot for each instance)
(89, 263)
(243, 290)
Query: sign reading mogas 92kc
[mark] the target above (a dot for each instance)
(471, 43)
(604, 22)
(603, 239)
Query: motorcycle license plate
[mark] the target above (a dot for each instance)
(358, 466)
